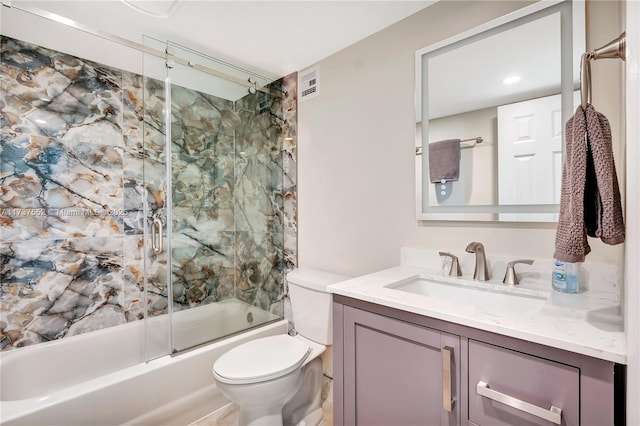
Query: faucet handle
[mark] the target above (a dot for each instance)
(510, 276)
(454, 271)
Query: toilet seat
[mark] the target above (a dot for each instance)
(261, 360)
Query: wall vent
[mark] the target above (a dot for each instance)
(309, 83)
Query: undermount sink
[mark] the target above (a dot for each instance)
(476, 295)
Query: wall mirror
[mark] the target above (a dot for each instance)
(494, 101)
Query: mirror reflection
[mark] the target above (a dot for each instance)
(492, 118)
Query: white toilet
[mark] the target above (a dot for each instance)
(278, 379)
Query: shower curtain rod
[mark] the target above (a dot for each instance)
(615, 49)
(249, 83)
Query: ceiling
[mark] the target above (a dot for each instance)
(272, 37)
(475, 75)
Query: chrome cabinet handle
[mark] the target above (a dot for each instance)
(156, 235)
(447, 401)
(553, 415)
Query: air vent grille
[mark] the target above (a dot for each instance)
(309, 83)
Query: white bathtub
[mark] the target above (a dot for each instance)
(99, 378)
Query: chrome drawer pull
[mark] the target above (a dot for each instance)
(554, 414)
(447, 401)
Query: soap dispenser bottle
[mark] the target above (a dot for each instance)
(564, 277)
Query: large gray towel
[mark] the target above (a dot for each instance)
(444, 160)
(590, 199)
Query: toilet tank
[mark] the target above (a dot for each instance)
(311, 303)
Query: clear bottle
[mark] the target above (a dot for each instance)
(564, 277)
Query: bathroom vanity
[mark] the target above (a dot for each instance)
(408, 351)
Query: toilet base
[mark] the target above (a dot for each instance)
(312, 419)
(261, 417)
(306, 404)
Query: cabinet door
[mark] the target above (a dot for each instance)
(397, 373)
(511, 388)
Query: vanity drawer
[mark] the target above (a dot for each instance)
(511, 388)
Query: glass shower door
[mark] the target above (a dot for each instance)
(214, 201)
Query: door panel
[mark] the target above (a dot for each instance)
(529, 139)
(394, 372)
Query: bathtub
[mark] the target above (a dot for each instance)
(100, 378)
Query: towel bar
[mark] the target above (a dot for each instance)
(477, 140)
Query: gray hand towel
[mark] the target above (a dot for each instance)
(571, 238)
(590, 198)
(602, 202)
(444, 160)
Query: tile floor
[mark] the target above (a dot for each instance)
(228, 416)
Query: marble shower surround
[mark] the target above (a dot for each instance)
(75, 139)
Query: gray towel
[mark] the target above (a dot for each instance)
(602, 202)
(590, 199)
(444, 160)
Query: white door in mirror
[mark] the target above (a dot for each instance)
(530, 151)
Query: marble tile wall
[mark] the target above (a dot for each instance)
(82, 151)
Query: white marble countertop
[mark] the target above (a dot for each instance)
(588, 323)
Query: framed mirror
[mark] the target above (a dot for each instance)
(491, 104)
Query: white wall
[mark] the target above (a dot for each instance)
(478, 171)
(632, 277)
(356, 148)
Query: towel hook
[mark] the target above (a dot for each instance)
(585, 79)
(615, 49)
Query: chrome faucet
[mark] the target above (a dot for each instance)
(510, 276)
(482, 271)
(454, 270)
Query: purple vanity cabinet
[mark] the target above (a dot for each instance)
(395, 368)
(398, 373)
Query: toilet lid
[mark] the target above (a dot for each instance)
(261, 360)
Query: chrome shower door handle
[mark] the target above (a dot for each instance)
(447, 378)
(156, 235)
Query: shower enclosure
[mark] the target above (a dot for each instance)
(165, 196)
(214, 181)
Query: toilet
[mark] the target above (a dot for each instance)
(278, 379)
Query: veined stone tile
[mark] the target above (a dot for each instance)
(105, 316)
(133, 222)
(133, 277)
(52, 288)
(260, 271)
(201, 269)
(257, 210)
(211, 220)
(55, 188)
(157, 268)
(154, 184)
(133, 176)
(289, 167)
(52, 94)
(192, 109)
(192, 184)
(132, 111)
(153, 103)
(202, 186)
